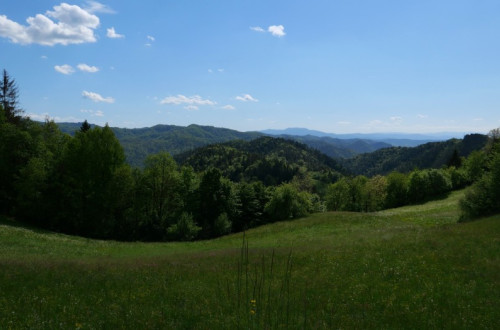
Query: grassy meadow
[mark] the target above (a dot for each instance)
(412, 267)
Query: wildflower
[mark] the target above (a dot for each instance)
(78, 325)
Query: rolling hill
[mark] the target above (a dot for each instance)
(412, 267)
(405, 159)
(267, 159)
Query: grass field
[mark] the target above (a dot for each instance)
(412, 267)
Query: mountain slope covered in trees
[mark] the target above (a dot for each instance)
(405, 159)
(138, 143)
(267, 159)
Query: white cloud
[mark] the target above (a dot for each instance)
(93, 113)
(64, 69)
(44, 57)
(97, 98)
(246, 98)
(45, 116)
(111, 33)
(210, 71)
(396, 119)
(151, 38)
(65, 25)
(277, 30)
(96, 7)
(220, 70)
(191, 107)
(420, 116)
(228, 107)
(181, 99)
(257, 29)
(87, 68)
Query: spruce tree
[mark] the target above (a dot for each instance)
(9, 98)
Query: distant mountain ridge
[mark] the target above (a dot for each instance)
(394, 139)
(405, 159)
(138, 143)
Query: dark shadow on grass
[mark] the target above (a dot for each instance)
(7, 221)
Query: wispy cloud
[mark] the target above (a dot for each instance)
(93, 113)
(87, 68)
(97, 7)
(181, 99)
(246, 98)
(151, 38)
(257, 29)
(228, 107)
(420, 116)
(97, 97)
(64, 69)
(65, 25)
(275, 30)
(191, 107)
(396, 119)
(111, 33)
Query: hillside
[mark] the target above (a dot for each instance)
(404, 159)
(138, 143)
(267, 159)
(412, 267)
(338, 148)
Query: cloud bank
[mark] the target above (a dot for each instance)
(65, 25)
(192, 100)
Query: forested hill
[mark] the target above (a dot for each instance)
(138, 143)
(338, 148)
(404, 159)
(267, 159)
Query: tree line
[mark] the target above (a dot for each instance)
(82, 185)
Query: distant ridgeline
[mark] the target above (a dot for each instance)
(405, 159)
(355, 155)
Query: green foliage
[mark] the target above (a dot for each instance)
(397, 189)
(9, 100)
(475, 165)
(272, 161)
(338, 196)
(404, 159)
(483, 198)
(185, 229)
(222, 225)
(215, 198)
(85, 182)
(287, 202)
(138, 143)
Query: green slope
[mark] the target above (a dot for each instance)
(412, 267)
(405, 159)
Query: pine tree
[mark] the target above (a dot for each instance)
(85, 126)
(9, 98)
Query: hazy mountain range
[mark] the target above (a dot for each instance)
(138, 143)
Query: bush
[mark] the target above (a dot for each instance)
(185, 229)
(287, 203)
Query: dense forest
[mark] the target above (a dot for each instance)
(138, 143)
(405, 159)
(81, 184)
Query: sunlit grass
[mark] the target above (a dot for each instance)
(412, 267)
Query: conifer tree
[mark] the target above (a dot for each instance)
(9, 98)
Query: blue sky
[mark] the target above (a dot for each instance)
(337, 66)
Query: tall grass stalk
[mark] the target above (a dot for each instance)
(259, 298)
